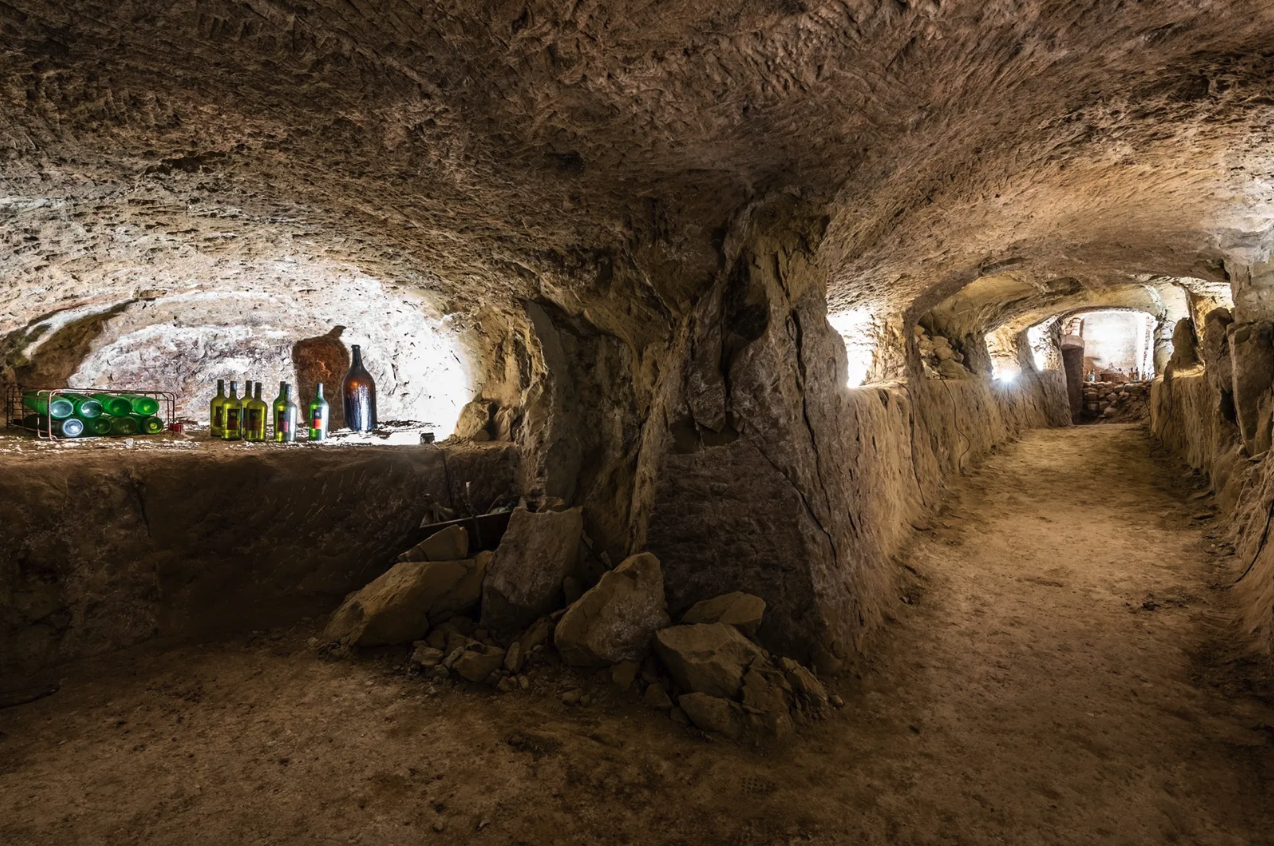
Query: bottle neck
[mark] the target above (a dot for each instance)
(234, 389)
(356, 357)
(221, 387)
(319, 395)
(285, 391)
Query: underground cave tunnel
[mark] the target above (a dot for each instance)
(833, 422)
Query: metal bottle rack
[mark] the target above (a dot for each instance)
(15, 411)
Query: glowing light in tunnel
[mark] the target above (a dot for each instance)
(1117, 339)
(858, 329)
(1003, 370)
(1041, 344)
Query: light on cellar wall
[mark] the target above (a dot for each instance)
(1001, 345)
(186, 340)
(1116, 339)
(859, 330)
(1042, 352)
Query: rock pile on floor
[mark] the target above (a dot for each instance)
(614, 621)
(539, 551)
(1116, 401)
(489, 617)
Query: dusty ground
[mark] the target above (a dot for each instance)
(1056, 677)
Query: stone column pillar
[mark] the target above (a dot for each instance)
(1073, 366)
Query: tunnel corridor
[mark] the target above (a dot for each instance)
(1062, 670)
(698, 422)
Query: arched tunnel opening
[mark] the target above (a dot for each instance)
(745, 422)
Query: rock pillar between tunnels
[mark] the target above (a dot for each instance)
(760, 470)
(1073, 365)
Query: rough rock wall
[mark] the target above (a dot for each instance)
(1193, 413)
(568, 394)
(101, 550)
(761, 471)
(184, 343)
(1183, 416)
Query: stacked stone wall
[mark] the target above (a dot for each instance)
(1121, 402)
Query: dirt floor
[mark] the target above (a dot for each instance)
(1056, 674)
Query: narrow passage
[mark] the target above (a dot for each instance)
(1055, 679)
(1061, 673)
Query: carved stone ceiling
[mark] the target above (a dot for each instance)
(486, 151)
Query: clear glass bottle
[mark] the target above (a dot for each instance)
(67, 427)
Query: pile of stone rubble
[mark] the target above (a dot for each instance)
(488, 617)
(938, 358)
(1116, 400)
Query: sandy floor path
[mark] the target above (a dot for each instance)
(1058, 676)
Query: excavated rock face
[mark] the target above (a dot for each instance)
(622, 227)
(488, 151)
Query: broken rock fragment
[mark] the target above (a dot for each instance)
(624, 674)
(426, 656)
(767, 692)
(476, 663)
(524, 580)
(396, 607)
(615, 620)
(707, 658)
(736, 609)
(450, 544)
(805, 683)
(712, 713)
(656, 697)
(392, 609)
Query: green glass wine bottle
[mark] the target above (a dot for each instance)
(217, 411)
(122, 426)
(143, 405)
(86, 408)
(114, 404)
(148, 424)
(254, 415)
(233, 430)
(286, 415)
(98, 426)
(320, 416)
(39, 401)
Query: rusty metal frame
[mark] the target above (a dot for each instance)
(16, 412)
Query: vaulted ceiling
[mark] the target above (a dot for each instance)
(481, 152)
